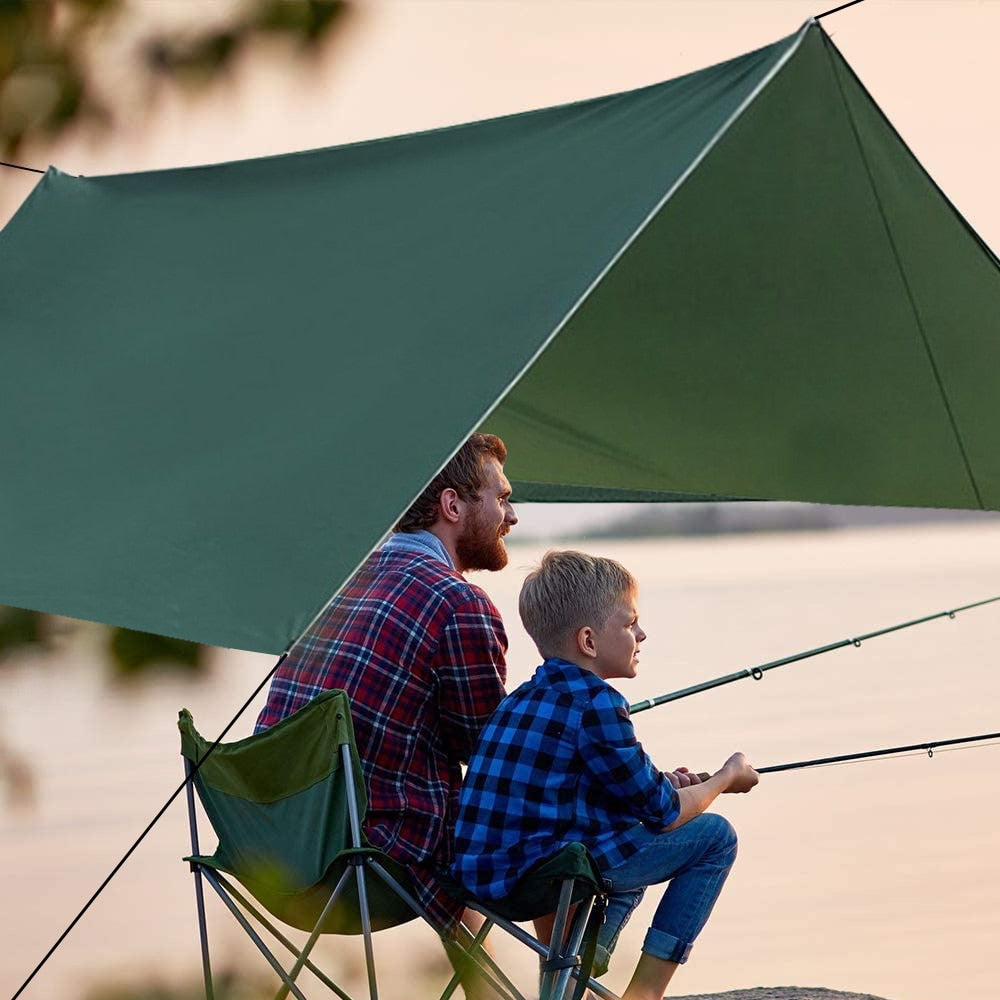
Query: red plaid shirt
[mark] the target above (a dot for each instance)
(420, 652)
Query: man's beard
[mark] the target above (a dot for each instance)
(480, 546)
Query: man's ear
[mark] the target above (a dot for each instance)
(585, 641)
(450, 506)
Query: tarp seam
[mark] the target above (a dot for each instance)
(828, 46)
(575, 307)
(642, 226)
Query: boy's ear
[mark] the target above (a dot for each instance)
(585, 641)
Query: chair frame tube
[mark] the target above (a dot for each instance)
(555, 951)
(366, 928)
(303, 955)
(265, 923)
(577, 929)
(199, 891)
(520, 934)
(495, 976)
(252, 934)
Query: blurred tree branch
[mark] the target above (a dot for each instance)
(50, 56)
(131, 655)
(53, 77)
(130, 652)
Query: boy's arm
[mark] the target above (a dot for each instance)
(736, 775)
(618, 764)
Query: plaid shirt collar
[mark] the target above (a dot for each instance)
(557, 671)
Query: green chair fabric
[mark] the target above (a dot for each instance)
(278, 802)
(537, 893)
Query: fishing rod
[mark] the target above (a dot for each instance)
(845, 758)
(929, 747)
(758, 672)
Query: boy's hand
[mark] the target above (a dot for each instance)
(684, 778)
(741, 776)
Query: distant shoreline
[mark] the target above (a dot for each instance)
(666, 520)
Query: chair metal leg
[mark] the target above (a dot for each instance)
(353, 813)
(456, 978)
(366, 930)
(548, 980)
(532, 943)
(199, 891)
(314, 936)
(253, 935)
(278, 936)
(495, 976)
(572, 948)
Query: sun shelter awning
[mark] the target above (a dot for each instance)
(221, 385)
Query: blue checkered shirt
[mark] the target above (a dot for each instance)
(558, 762)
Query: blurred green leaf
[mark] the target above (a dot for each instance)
(133, 652)
(51, 56)
(229, 985)
(20, 630)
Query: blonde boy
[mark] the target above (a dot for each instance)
(559, 763)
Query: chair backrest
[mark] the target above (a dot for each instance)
(278, 802)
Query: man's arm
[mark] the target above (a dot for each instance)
(471, 669)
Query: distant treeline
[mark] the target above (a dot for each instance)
(657, 520)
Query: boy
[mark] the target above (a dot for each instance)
(559, 762)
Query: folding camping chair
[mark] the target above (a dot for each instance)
(288, 805)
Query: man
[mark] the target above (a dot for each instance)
(420, 652)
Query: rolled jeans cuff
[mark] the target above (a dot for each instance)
(665, 946)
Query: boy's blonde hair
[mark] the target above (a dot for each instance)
(567, 591)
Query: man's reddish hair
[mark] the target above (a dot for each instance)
(463, 474)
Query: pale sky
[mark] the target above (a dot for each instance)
(413, 64)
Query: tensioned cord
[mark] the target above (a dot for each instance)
(17, 166)
(142, 836)
(843, 6)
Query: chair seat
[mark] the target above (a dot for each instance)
(302, 908)
(537, 891)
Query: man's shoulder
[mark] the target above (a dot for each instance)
(416, 572)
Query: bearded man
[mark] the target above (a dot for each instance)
(420, 652)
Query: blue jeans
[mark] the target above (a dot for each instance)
(695, 858)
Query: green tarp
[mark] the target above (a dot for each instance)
(221, 385)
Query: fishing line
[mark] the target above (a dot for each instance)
(928, 747)
(908, 756)
(757, 672)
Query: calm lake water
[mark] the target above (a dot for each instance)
(880, 877)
